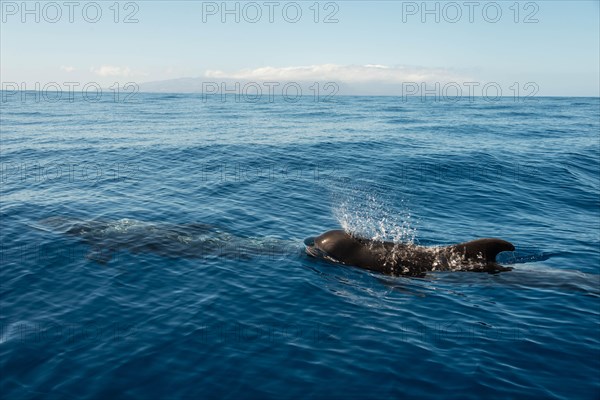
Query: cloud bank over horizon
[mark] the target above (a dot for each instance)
(368, 79)
(341, 73)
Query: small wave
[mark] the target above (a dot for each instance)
(396, 121)
(395, 109)
(490, 107)
(577, 103)
(28, 113)
(22, 123)
(520, 114)
(171, 96)
(562, 116)
(310, 114)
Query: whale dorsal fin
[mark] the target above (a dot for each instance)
(487, 248)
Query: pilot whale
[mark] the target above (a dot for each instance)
(407, 259)
(197, 240)
(189, 240)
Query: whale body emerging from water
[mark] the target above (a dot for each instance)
(189, 240)
(197, 240)
(407, 259)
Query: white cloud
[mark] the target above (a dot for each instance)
(341, 73)
(67, 68)
(110, 70)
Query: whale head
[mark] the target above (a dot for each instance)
(341, 247)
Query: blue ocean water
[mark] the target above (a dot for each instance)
(135, 313)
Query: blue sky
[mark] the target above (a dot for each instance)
(372, 44)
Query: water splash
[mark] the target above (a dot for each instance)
(365, 211)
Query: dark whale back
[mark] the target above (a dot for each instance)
(392, 258)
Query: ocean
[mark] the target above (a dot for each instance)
(139, 311)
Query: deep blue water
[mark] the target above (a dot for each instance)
(149, 324)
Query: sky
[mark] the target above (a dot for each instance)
(379, 47)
